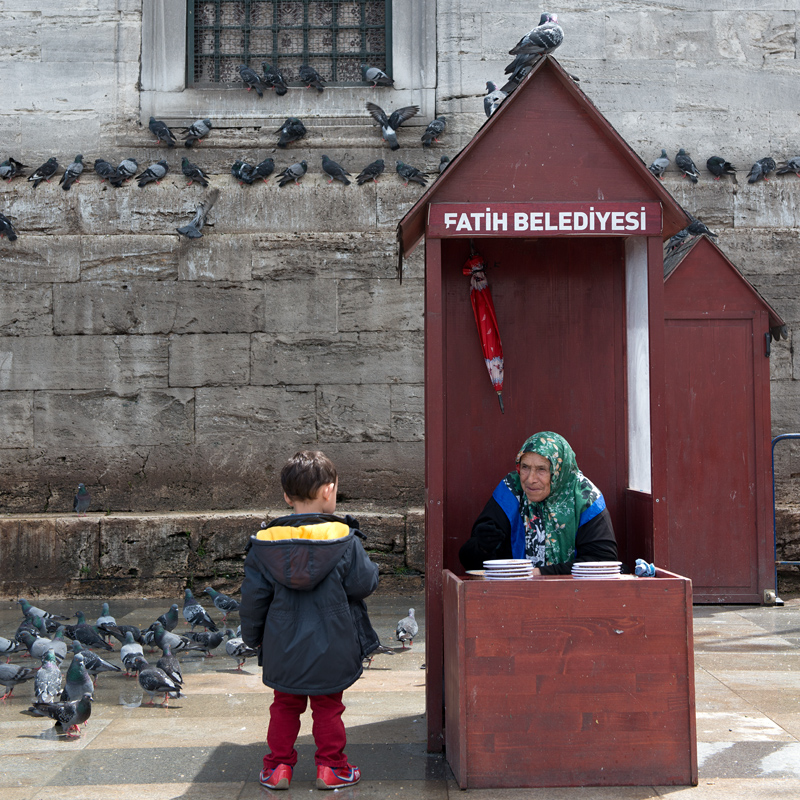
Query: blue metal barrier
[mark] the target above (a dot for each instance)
(777, 439)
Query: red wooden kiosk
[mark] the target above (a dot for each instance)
(717, 342)
(571, 224)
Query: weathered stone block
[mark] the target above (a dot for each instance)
(94, 419)
(16, 419)
(353, 413)
(395, 199)
(126, 258)
(415, 539)
(105, 40)
(385, 532)
(768, 205)
(19, 37)
(363, 358)
(408, 412)
(303, 306)
(39, 259)
(213, 359)
(25, 310)
(381, 305)
(223, 538)
(215, 257)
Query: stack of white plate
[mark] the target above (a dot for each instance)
(508, 569)
(594, 570)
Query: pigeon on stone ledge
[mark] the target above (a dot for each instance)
(683, 161)
(293, 173)
(81, 501)
(193, 173)
(72, 173)
(45, 172)
(274, 79)
(124, 172)
(104, 169)
(251, 79)
(375, 76)
(11, 169)
(162, 132)
(434, 130)
(659, 166)
(7, 229)
(197, 131)
(409, 173)
(759, 171)
(243, 172)
(265, 168)
(792, 165)
(154, 173)
(336, 171)
(194, 229)
(291, 131)
(371, 172)
(311, 78)
(718, 167)
(390, 124)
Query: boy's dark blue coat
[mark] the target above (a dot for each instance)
(306, 577)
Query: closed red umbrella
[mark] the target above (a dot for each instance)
(485, 319)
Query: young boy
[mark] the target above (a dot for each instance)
(306, 577)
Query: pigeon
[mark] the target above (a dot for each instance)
(517, 70)
(162, 132)
(243, 172)
(371, 172)
(104, 169)
(236, 648)
(407, 629)
(291, 131)
(154, 680)
(718, 167)
(265, 168)
(792, 165)
(72, 173)
(129, 651)
(193, 173)
(779, 332)
(311, 78)
(194, 229)
(93, 663)
(197, 131)
(195, 614)
(169, 619)
(58, 645)
(375, 76)
(32, 611)
(410, 173)
(274, 79)
(10, 646)
(683, 161)
(44, 173)
(47, 683)
(105, 617)
(42, 627)
(251, 79)
(155, 172)
(86, 634)
(25, 626)
(171, 666)
(38, 646)
(11, 169)
(443, 162)
(370, 657)
(659, 166)
(697, 228)
(225, 604)
(210, 640)
(68, 715)
(177, 642)
(293, 173)
(12, 674)
(119, 632)
(81, 501)
(78, 682)
(493, 98)
(758, 171)
(543, 39)
(124, 172)
(390, 124)
(336, 171)
(7, 229)
(434, 130)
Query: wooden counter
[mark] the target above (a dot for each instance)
(563, 682)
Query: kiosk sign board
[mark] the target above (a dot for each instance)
(447, 220)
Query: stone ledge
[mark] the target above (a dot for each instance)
(134, 555)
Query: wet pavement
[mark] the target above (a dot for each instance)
(210, 744)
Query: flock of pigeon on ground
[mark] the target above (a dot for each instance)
(68, 699)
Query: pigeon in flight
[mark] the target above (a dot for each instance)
(293, 173)
(227, 605)
(274, 79)
(7, 229)
(718, 167)
(758, 171)
(12, 674)
(251, 79)
(434, 130)
(197, 131)
(291, 131)
(336, 171)
(493, 98)
(124, 172)
(154, 173)
(195, 614)
(375, 76)
(543, 39)
(69, 715)
(792, 165)
(265, 168)
(659, 166)
(72, 173)
(193, 173)
(390, 124)
(104, 169)
(194, 229)
(311, 78)
(81, 501)
(409, 173)
(683, 161)
(243, 172)
(371, 172)
(407, 629)
(44, 173)
(162, 132)
(11, 169)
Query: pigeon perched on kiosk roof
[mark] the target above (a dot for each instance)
(697, 228)
(718, 167)
(154, 173)
(434, 130)
(274, 79)
(72, 173)
(7, 228)
(543, 39)
(70, 715)
(792, 165)
(311, 78)
(493, 98)
(659, 166)
(443, 162)
(197, 131)
(371, 172)
(759, 171)
(375, 76)
(683, 161)
(407, 629)
(11, 168)
(45, 172)
(291, 131)
(410, 173)
(81, 501)
(162, 132)
(390, 124)
(251, 79)
(336, 171)
(293, 173)
(194, 229)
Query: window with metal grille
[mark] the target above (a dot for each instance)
(333, 36)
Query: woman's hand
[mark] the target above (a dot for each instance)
(537, 571)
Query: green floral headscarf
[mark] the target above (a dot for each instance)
(571, 493)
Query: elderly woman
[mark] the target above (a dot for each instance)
(546, 510)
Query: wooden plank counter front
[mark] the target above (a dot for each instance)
(564, 682)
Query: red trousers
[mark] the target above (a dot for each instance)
(327, 728)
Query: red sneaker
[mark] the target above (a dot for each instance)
(334, 778)
(278, 778)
